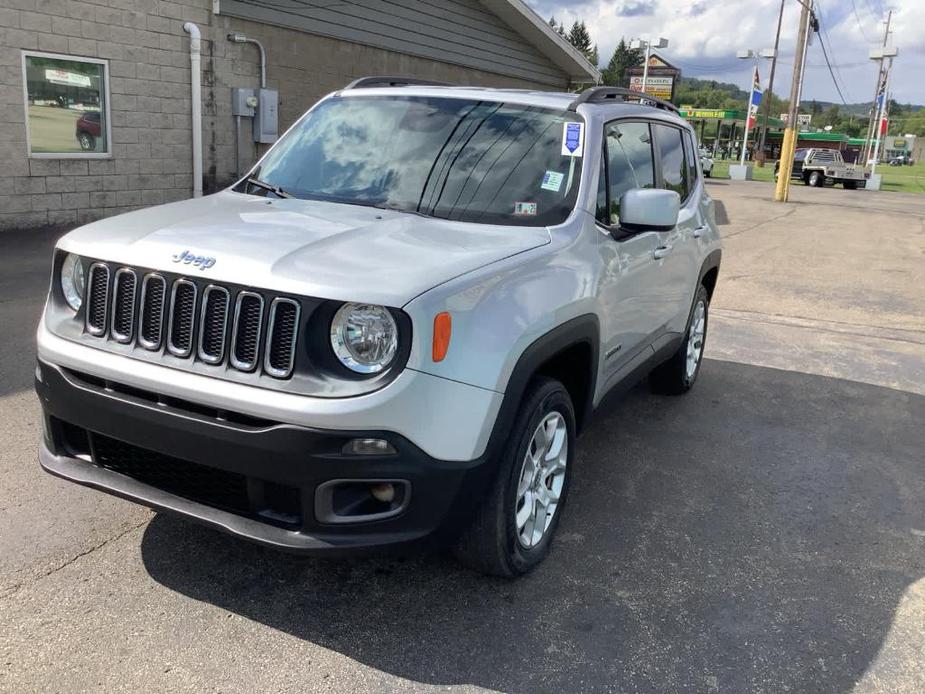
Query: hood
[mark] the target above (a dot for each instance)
(322, 249)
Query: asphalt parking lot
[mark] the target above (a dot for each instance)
(764, 533)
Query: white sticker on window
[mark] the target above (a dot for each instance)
(552, 180)
(573, 139)
(525, 209)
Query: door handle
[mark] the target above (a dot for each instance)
(661, 252)
(698, 232)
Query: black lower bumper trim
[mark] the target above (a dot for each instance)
(256, 483)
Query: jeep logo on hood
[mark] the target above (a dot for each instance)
(200, 261)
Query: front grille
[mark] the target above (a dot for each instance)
(219, 488)
(97, 299)
(192, 319)
(151, 323)
(245, 340)
(213, 322)
(263, 500)
(283, 332)
(182, 318)
(123, 305)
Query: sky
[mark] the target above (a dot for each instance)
(704, 36)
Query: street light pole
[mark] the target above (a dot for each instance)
(767, 103)
(647, 44)
(757, 55)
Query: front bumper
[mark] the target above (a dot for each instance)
(261, 480)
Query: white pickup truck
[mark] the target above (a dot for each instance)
(819, 167)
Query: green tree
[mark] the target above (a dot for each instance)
(558, 28)
(614, 75)
(830, 116)
(579, 37)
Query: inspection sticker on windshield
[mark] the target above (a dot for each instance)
(552, 180)
(573, 139)
(525, 209)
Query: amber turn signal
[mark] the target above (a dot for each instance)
(443, 327)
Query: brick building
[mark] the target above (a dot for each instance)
(95, 95)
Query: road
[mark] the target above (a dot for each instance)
(764, 533)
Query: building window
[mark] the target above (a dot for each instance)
(67, 106)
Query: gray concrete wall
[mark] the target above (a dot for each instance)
(148, 55)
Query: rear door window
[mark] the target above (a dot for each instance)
(671, 159)
(691, 154)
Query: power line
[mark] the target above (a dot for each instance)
(857, 18)
(823, 37)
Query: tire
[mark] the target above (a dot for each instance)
(496, 543)
(816, 180)
(678, 374)
(850, 185)
(708, 174)
(87, 141)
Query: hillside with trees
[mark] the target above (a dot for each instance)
(850, 119)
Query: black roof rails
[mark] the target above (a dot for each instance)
(385, 81)
(598, 95)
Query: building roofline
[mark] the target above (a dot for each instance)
(526, 22)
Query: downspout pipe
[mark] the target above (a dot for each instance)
(195, 59)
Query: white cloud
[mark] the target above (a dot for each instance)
(704, 36)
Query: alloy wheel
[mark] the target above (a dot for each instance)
(542, 476)
(695, 339)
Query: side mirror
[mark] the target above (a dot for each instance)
(649, 209)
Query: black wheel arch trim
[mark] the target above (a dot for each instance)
(584, 329)
(711, 262)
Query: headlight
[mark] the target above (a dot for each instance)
(364, 337)
(73, 280)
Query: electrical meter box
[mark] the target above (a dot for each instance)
(242, 102)
(266, 118)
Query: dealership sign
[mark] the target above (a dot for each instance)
(69, 79)
(659, 87)
(661, 78)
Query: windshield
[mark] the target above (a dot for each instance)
(460, 159)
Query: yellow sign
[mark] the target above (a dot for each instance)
(899, 143)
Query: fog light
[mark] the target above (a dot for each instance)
(383, 492)
(368, 447)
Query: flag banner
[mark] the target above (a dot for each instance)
(755, 100)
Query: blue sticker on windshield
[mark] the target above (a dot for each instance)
(573, 139)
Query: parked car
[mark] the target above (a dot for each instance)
(88, 130)
(391, 331)
(819, 167)
(900, 160)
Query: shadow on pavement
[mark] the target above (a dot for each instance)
(755, 535)
(25, 265)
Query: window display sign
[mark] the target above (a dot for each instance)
(67, 106)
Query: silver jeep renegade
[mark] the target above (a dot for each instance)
(391, 331)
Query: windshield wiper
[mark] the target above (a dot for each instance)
(393, 208)
(276, 190)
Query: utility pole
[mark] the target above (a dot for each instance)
(767, 104)
(881, 114)
(793, 127)
(871, 122)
